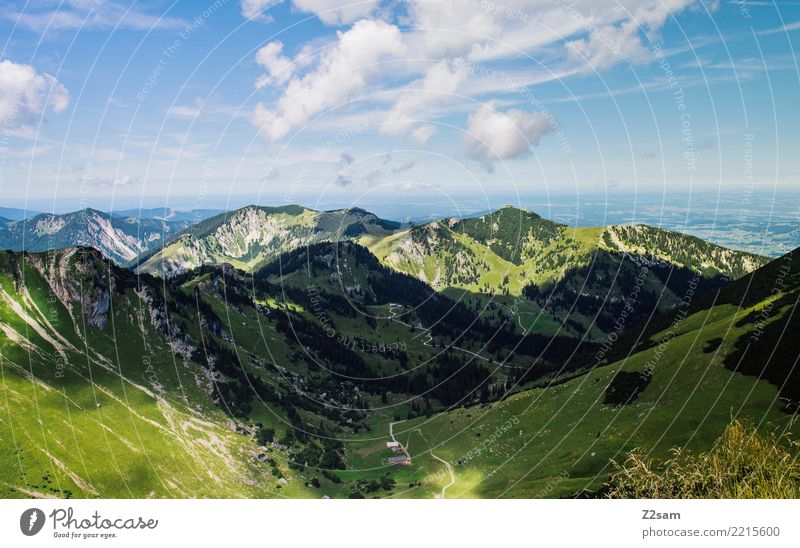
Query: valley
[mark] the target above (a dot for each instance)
(273, 352)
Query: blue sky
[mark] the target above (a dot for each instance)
(110, 104)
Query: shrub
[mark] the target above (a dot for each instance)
(625, 387)
(265, 436)
(743, 465)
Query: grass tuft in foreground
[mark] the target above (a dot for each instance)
(744, 464)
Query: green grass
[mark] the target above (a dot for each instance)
(566, 439)
(131, 418)
(118, 415)
(743, 464)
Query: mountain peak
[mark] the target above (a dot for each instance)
(254, 235)
(117, 238)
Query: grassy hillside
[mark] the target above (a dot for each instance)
(504, 251)
(243, 377)
(562, 439)
(555, 279)
(100, 397)
(289, 381)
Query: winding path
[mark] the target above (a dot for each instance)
(391, 435)
(405, 450)
(449, 469)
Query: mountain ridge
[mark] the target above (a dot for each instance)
(122, 239)
(251, 236)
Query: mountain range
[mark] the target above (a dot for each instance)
(121, 239)
(274, 352)
(553, 278)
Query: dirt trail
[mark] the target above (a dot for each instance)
(405, 450)
(450, 470)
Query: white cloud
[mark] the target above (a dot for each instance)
(202, 107)
(343, 70)
(337, 12)
(452, 27)
(109, 182)
(331, 12)
(448, 48)
(25, 94)
(127, 180)
(188, 111)
(423, 133)
(279, 68)
(484, 31)
(501, 135)
(782, 29)
(436, 88)
(607, 45)
(91, 14)
(254, 9)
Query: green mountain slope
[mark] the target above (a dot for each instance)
(574, 280)
(683, 386)
(120, 239)
(251, 379)
(289, 380)
(252, 236)
(101, 395)
(511, 248)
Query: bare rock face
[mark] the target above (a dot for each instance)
(252, 236)
(49, 225)
(99, 310)
(120, 239)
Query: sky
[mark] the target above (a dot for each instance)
(205, 103)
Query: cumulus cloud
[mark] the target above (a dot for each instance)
(26, 94)
(444, 23)
(279, 68)
(435, 89)
(342, 71)
(127, 180)
(434, 61)
(492, 134)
